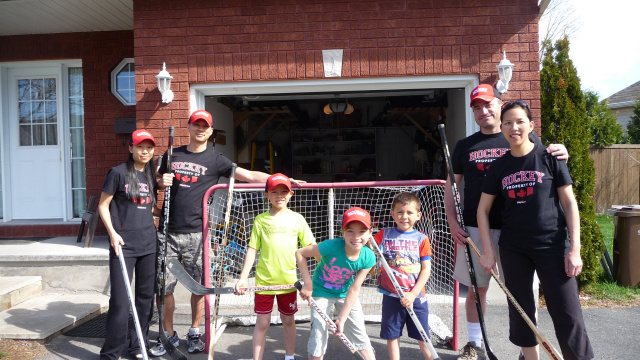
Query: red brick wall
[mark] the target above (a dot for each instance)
(100, 53)
(231, 41)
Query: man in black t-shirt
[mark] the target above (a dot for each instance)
(194, 169)
(471, 157)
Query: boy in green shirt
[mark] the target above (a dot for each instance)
(275, 234)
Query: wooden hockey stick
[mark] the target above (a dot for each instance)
(172, 350)
(331, 324)
(132, 302)
(196, 288)
(467, 251)
(400, 293)
(546, 344)
(227, 216)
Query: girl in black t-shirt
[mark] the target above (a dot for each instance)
(539, 206)
(126, 207)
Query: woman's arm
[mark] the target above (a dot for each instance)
(572, 260)
(352, 297)
(105, 215)
(302, 255)
(488, 259)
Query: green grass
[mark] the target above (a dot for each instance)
(605, 289)
(606, 223)
(3, 354)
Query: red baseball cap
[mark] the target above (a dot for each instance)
(141, 135)
(278, 179)
(201, 115)
(356, 214)
(484, 92)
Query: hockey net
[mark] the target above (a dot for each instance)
(322, 205)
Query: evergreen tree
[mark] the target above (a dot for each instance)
(633, 128)
(564, 121)
(604, 126)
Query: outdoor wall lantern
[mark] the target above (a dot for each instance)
(164, 84)
(337, 106)
(504, 73)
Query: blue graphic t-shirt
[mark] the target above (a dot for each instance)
(335, 272)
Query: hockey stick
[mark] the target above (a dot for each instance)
(546, 344)
(196, 288)
(331, 324)
(227, 216)
(172, 350)
(467, 250)
(132, 302)
(400, 293)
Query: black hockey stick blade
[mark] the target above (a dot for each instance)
(193, 286)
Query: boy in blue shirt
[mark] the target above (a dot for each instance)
(408, 253)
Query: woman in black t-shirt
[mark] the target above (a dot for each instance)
(126, 207)
(539, 206)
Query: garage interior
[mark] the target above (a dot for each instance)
(336, 137)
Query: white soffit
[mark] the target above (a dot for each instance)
(23, 17)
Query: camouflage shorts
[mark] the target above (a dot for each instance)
(187, 248)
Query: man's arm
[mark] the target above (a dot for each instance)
(249, 176)
(557, 150)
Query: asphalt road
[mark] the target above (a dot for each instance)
(614, 334)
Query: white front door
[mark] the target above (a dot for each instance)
(36, 158)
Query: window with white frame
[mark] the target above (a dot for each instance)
(123, 82)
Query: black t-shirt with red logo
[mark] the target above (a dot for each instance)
(131, 219)
(471, 158)
(532, 218)
(194, 173)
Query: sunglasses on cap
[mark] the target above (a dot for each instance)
(510, 104)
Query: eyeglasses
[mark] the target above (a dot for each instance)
(521, 103)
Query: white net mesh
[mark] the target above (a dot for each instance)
(322, 205)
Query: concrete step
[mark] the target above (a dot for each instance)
(16, 289)
(49, 314)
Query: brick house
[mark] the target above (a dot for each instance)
(69, 99)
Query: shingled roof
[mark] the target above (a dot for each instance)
(630, 93)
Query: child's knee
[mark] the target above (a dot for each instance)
(287, 320)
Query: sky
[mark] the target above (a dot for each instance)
(606, 47)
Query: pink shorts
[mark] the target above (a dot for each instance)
(287, 303)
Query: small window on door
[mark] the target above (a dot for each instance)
(37, 112)
(123, 82)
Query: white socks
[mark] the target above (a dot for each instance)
(194, 331)
(289, 357)
(475, 334)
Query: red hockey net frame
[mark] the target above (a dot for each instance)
(322, 205)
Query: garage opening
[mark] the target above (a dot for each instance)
(340, 136)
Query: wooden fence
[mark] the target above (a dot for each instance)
(617, 175)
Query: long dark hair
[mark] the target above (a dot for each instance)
(134, 185)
